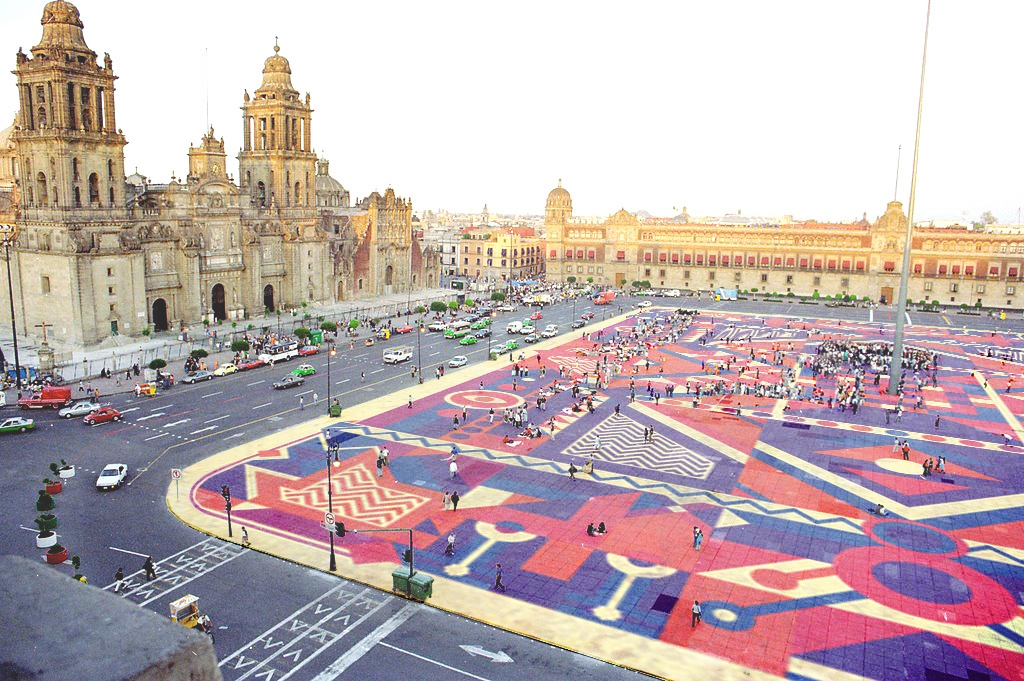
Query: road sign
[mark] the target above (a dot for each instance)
(175, 474)
(328, 518)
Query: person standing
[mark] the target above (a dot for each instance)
(696, 531)
(572, 470)
(490, 415)
(446, 500)
(380, 466)
(245, 538)
(314, 398)
(696, 614)
(497, 578)
(302, 403)
(455, 500)
(700, 539)
(410, 401)
(149, 568)
(449, 550)
(118, 580)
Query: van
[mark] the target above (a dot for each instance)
(459, 325)
(514, 327)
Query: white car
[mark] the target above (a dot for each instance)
(79, 409)
(437, 326)
(458, 361)
(644, 304)
(112, 476)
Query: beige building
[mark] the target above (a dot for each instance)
(100, 254)
(862, 259)
(494, 255)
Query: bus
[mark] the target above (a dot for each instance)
(281, 352)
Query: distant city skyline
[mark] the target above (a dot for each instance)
(790, 107)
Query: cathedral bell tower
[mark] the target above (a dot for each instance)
(70, 152)
(277, 163)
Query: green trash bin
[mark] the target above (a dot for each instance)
(422, 586)
(316, 336)
(335, 410)
(400, 580)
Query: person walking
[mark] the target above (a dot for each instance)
(118, 580)
(455, 500)
(497, 578)
(380, 466)
(446, 500)
(362, 377)
(410, 401)
(453, 470)
(314, 398)
(938, 419)
(490, 415)
(572, 470)
(696, 531)
(302, 403)
(449, 550)
(696, 614)
(700, 540)
(245, 538)
(149, 568)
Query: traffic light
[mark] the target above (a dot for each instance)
(407, 556)
(339, 529)
(225, 492)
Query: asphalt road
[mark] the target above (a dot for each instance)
(274, 619)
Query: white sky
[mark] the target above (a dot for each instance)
(772, 108)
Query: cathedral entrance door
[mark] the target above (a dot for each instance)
(389, 280)
(217, 297)
(886, 296)
(160, 315)
(268, 297)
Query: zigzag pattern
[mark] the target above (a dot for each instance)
(356, 494)
(622, 443)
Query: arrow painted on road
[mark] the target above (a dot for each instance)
(151, 416)
(499, 656)
(177, 423)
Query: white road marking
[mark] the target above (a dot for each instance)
(177, 423)
(155, 409)
(156, 437)
(234, 436)
(358, 650)
(151, 416)
(305, 392)
(219, 418)
(377, 371)
(427, 659)
(255, 383)
(125, 411)
(344, 380)
(203, 430)
(435, 353)
(260, 406)
(219, 392)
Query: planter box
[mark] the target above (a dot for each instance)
(57, 558)
(49, 521)
(66, 473)
(46, 542)
(54, 488)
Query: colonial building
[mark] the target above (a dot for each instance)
(100, 254)
(494, 255)
(863, 259)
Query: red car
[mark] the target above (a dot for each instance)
(102, 415)
(536, 315)
(246, 364)
(587, 315)
(404, 329)
(307, 350)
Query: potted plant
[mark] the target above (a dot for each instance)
(56, 554)
(44, 502)
(46, 521)
(53, 486)
(66, 470)
(76, 562)
(46, 537)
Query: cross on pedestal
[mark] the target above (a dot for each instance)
(43, 325)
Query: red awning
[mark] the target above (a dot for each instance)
(778, 261)
(620, 255)
(817, 264)
(579, 252)
(917, 268)
(663, 257)
(764, 259)
(846, 264)
(554, 253)
(591, 254)
(956, 269)
(803, 262)
(686, 259)
(969, 270)
(725, 260)
(648, 257)
(711, 259)
(790, 262)
(993, 271)
(942, 269)
(751, 260)
(675, 257)
(1012, 272)
(860, 265)
(568, 253)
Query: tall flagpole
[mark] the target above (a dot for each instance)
(896, 367)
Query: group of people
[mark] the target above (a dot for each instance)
(600, 529)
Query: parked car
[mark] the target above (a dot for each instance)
(102, 415)
(458, 361)
(225, 369)
(112, 476)
(17, 424)
(468, 340)
(197, 376)
(304, 370)
(307, 350)
(289, 381)
(80, 408)
(253, 363)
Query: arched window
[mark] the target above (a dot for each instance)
(111, 194)
(41, 115)
(94, 188)
(110, 169)
(78, 197)
(298, 192)
(41, 188)
(261, 194)
(74, 170)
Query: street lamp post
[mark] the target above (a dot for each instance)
(330, 353)
(419, 352)
(8, 233)
(332, 451)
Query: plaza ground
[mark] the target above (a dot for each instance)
(797, 578)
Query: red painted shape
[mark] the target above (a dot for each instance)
(905, 484)
(784, 489)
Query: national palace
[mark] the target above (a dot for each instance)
(951, 266)
(98, 253)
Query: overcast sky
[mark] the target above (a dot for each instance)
(771, 108)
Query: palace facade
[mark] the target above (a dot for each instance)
(99, 254)
(953, 266)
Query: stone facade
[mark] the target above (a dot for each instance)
(953, 266)
(100, 254)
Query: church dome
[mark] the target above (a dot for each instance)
(324, 181)
(277, 73)
(559, 197)
(62, 28)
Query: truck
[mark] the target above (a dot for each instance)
(726, 294)
(604, 298)
(52, 396)
(402, 353)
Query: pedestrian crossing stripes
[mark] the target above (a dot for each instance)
(622, 442)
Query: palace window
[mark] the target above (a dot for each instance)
(675, 258)
(844, 283)
(789, 279)
(737, 277)
(831, 264)
(751, 261)
(44, 284)
(817, 264)
(620, 255)
(725, 260)
(846, 265)
(553, 254)
(591, 255)
(942, 269)
(700, 259)
(803, 263)
(860, 265)
(711, 259)
(647, 271)
(686, 259)
(816, 281)
(954, 286)
(917, 268)
(648, 257)
(969, 270)
(927, 286)
(1010, 290)
(764, 278)
(979, 288)
(790, 262)
(568, 254)
(764, 261)
(686, 274)
(711, 275)
(663, 257)
(890, 266)
(993, 271)
(956, 269)
(1012, 273)
(661, 273)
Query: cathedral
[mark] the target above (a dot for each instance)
(100, 254)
